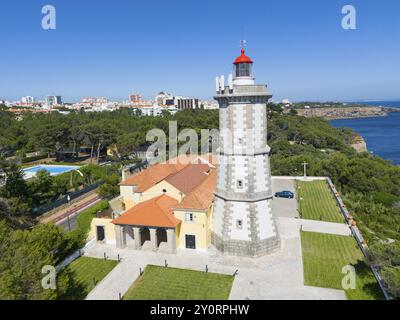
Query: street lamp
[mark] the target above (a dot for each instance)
(305, 169)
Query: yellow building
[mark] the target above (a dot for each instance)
(165, 207)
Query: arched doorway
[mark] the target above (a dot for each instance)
(161, 236)
(144, 235)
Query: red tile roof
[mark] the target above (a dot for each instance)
(151, 176)
(159, 172)
(189, 177)
(202, 196)
(156, 212)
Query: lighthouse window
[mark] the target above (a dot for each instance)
(240, 184)
(239, 224)
(243, 70)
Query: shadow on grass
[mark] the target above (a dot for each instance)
(69, 287)
(366, 281)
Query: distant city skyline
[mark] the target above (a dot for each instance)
(113, 48)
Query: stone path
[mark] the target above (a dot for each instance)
(323, 227)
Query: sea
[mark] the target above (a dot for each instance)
(382, 134)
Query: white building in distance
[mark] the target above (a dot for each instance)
(51, 101)
(27, 99)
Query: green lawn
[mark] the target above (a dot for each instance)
(161, 283)
(316, 202)
(325, 255)
(83, 270)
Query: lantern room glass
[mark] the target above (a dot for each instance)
(243, 69)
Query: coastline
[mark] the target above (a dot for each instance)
(358, 117)
(386, 113)
(337, 113)
(378, 132)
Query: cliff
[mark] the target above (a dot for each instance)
(359, 144)
(343, 112)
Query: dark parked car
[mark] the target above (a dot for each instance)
(284, 194)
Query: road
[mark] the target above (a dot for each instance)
(68, 224)
(67, 218)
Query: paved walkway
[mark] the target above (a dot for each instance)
(277, 276)
(324, 227)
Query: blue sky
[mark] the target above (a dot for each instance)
(114, 47)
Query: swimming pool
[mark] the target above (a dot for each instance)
(53, 170)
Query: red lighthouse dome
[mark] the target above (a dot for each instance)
(242, 59)
(242, 66)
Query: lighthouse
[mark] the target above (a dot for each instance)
(243, 222)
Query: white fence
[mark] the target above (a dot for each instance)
(78, 253)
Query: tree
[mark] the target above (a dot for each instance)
(128, 142)
(111, 187)
(77, 136)
(19, 214)
(24, 253)
(41, 187)
(391, 276)
(4, 209)
(386, 257)
(15, 183)
(92, 134)
(106, 137)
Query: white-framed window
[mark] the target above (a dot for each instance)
(239, 224)
(239, 184)
(189, 217)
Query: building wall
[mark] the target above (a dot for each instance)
(218, 219)
(127, 194)
(157, 190)
(210, 212)
(200, 228)
(240, 211)
(109, 229)
(267, 229)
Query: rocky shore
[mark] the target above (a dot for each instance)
(359, 144)
(346, 112)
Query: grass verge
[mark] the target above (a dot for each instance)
(316, 202)
(83, 274)
(161, 283)
(325, 255)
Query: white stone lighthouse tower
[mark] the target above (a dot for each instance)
(243, 221)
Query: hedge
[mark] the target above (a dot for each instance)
(36, 158)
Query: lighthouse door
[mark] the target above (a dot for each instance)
(190, 241)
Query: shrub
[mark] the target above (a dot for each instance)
(35, 158)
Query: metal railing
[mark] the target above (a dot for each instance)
(358, 236)
(60, 202)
